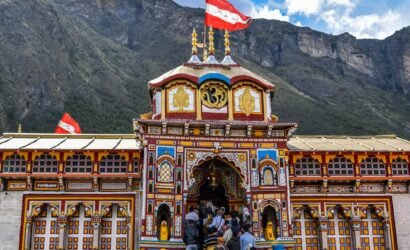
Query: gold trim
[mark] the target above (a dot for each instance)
(163, 102)
(261, 100)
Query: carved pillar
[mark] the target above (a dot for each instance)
(61, 183)
(355, 222)
(129, 234)
(96, 220)
(62, 224)
(29, 183)
(323, 225)
(387, 239)
(95, 184)
(29, 224)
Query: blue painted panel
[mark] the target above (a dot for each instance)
(162, 150)
(272, 153)
(214, 76)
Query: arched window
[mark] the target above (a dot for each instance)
(45, 163)
(307, 166)
(45, 230)
(78, 163)
(372, 231)
(372, 166)
(165, 172)
(269, 176)
(340, 166)
(339, 233)
(80, 230)
(113, 163)
(15, 163)
(400, 167)
(114, 230)
(306, 232)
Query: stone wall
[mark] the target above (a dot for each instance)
(401, 203)
(10, 219)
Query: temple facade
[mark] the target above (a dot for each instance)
(211, 139)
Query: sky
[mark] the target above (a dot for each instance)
(362, 18)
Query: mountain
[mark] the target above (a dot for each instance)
(94, 58)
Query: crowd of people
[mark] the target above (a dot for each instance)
(217, 230)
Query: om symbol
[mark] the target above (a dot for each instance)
(214, 95)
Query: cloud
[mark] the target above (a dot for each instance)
(363, 26)
(266, 13)
(331, 16)
(304, 7)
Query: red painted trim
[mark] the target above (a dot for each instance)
(252, 117)
(175, 77)
(239, 78)
(183, 115)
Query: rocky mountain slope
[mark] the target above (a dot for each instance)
(93, 59)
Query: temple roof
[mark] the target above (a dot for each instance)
(34, 141)
(203, 72)
(28, 141)
(389, 143)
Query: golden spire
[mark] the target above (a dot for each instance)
(227, 43)
(211, 41)
(19, 128)
(194, 42)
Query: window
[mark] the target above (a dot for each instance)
(45, 163)
(113, 163)
(114, 230)
(339, 233)
(306, 232)
(78, 163)
(340, 166)
(45, 230)
(80, 230)
(15, 163)
(400, 167)
(165, 172)
(372, 232)
(372, 166)
(136, 165)
(307, 166)
(269, 176)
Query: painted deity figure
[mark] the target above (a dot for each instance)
(269, 234)
(247, 102)
(181, 99)
(163, 234)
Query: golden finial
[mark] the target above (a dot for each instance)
(211, 41)
(194, 42)
(19, 128)
(227, 43)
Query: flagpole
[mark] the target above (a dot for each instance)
(205, 52)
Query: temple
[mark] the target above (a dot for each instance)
(211, 139)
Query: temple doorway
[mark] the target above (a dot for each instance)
(217, 184)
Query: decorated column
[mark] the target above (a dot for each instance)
(29, 224)
(386, 225)
(323, 225)
(355, 222)
(62, 223)
(96, 220)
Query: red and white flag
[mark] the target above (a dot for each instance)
(67, 125)
(220, 14)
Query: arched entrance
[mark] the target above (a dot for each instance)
(217, 184)
(163, 222)
(269, 223)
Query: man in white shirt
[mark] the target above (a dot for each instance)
(218, 221)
